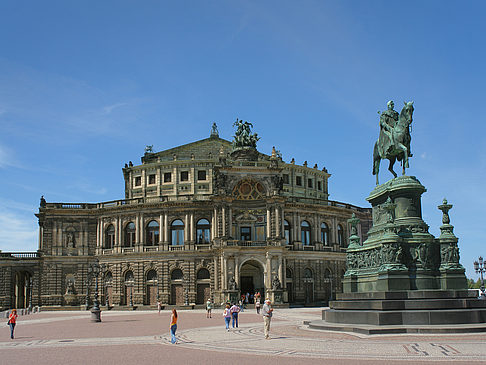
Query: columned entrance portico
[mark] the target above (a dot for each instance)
(252, 278)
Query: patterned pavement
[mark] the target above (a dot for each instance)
(61, 335)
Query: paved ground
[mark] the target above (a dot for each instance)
(142, 338)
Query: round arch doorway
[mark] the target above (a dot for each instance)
(252, 279)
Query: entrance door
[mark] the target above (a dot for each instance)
(176, 294)
(290, 292)
(245, 233)
(309, 292)
(128, 291)
(151, 294)
(247, 286)
(203, 292)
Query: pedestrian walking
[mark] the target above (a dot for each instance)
(234, 314)
(12, 319)
(257, 305)
(209, 307)
(173, 326)
(159, 305)
(227, 316)
(267, 312)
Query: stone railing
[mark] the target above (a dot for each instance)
(246, 243)
(20, 255)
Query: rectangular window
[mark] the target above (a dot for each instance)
(138, 180)
(201, 175)
(298, 180)
(309, 183)
(167, 177)
(285, 178)
(319, 185)
(184, 175)
(151, 179)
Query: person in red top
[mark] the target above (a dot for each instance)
(11, 322)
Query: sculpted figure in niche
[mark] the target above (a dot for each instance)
(276, 283)
(70, 240)
(70, 286)
(232, 283)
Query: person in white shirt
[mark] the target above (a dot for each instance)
(267, 312)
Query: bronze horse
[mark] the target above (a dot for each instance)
(400, 144)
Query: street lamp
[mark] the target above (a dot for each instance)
(480, 267)
(88, 283)
(30, 294)
(94, 270)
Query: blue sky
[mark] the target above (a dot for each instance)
(85, 85)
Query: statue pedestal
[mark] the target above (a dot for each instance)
(70, 299)
(231, 296)
(276, 296)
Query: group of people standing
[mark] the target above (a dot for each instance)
(230, 315)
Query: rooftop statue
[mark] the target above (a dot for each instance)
(243, 137)
(394, 139)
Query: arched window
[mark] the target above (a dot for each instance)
(287, 232)
(177, 232)
(130, 235)
(110, 236)
(327, 274)
(203, 231)
(152, 235)
(305, 231)
(108, 278)
(176, 274)
(129, 278)
(308, 273)
(151, 275)
(324, 234)
(340, 233)
(288, 273)
(203, 274)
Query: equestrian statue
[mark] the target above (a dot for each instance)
(394, 140)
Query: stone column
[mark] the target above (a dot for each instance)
(166, 228)
(295, 230)
(237, 271)
(230, 223)
(277, 222)
(192, 227)
(223, 212)
(161, 227)
(280, 269)
(269, 227)
(223, 271)
(142, 230)
(186, 228)
(119, 231)
(215, 273)
(317, 228)
(268, 269)
(214, 232)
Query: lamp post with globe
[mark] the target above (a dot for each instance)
(480, 267)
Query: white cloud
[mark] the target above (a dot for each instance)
(6, 159)
(109, 108)
(18, 233)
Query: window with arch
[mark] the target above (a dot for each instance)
(152, 275)
(305, 232)
(325, 234)
(340, 233)
(327, 274)
(176, 274)
(130, 234)
(108, 278)
(152, 233)
(308, 273)
(110, 236)
(287, 232)
(288, 273)
(177, 232)
(203, 231)
(203, 274)
(129, 278)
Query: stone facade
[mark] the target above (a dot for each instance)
(200, 220)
